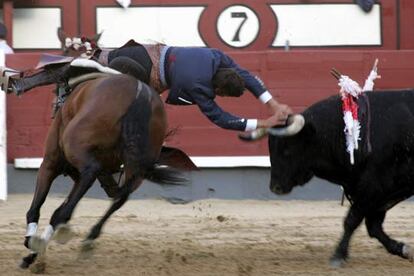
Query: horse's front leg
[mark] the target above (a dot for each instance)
(374, 222)
(63, 214)
(47, 173)
(351, 223)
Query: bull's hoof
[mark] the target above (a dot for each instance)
(408, 253)
(63, 234)
(336, 262)
(38, 267)
(37, 244)
(87, 249)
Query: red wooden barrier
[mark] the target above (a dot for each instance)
(298, 78)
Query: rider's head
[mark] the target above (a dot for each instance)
(227, 83)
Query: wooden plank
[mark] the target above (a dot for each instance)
(3, 138)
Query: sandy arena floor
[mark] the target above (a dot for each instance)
(208, 237)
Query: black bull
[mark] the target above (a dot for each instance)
(383, 173)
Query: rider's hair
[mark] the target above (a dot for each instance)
(229, 82)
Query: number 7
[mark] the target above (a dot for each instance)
(243, 15)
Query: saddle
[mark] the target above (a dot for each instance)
(63, 91)
(95, 70)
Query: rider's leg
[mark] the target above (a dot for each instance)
(131, 67)
(50, 74)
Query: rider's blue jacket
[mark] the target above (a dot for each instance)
(188, 72)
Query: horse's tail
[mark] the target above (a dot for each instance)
(135, 143)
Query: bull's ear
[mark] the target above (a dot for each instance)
(176, 158)
(61, 35)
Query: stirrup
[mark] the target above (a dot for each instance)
(5, 74)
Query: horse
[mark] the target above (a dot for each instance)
(105, 122)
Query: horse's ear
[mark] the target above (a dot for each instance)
(176, 158)
(96, 37)
(62, 35)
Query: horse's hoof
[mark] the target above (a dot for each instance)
(63, 234)
(408, 253)
(28, 260)
(37, 244)
(24, 265)
(38, 267)
(87, 249)
(336, 262)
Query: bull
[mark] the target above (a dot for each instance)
(383, 172)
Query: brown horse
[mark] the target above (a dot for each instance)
(104, 123)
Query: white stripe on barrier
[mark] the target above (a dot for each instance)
(3, 140)
(200, 161)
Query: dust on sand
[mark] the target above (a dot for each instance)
(207, 237)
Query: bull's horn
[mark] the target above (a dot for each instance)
(253, 135)
(294, 124)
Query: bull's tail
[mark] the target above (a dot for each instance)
(136, 145)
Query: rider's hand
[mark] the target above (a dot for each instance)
(279, 117)
(276, 120)
(281, 111)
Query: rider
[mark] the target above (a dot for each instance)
(193, 75)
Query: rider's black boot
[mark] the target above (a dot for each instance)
(50, 74)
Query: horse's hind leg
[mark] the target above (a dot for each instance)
(374, 223)
(109, 184)
(117, 203)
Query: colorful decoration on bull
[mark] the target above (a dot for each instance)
(350, 91)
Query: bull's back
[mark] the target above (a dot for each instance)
(382, 100)
(391, 119)
(383, 106)
(388, 119)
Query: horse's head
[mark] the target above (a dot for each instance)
(78, 46)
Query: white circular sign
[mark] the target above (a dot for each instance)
(238, 26)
